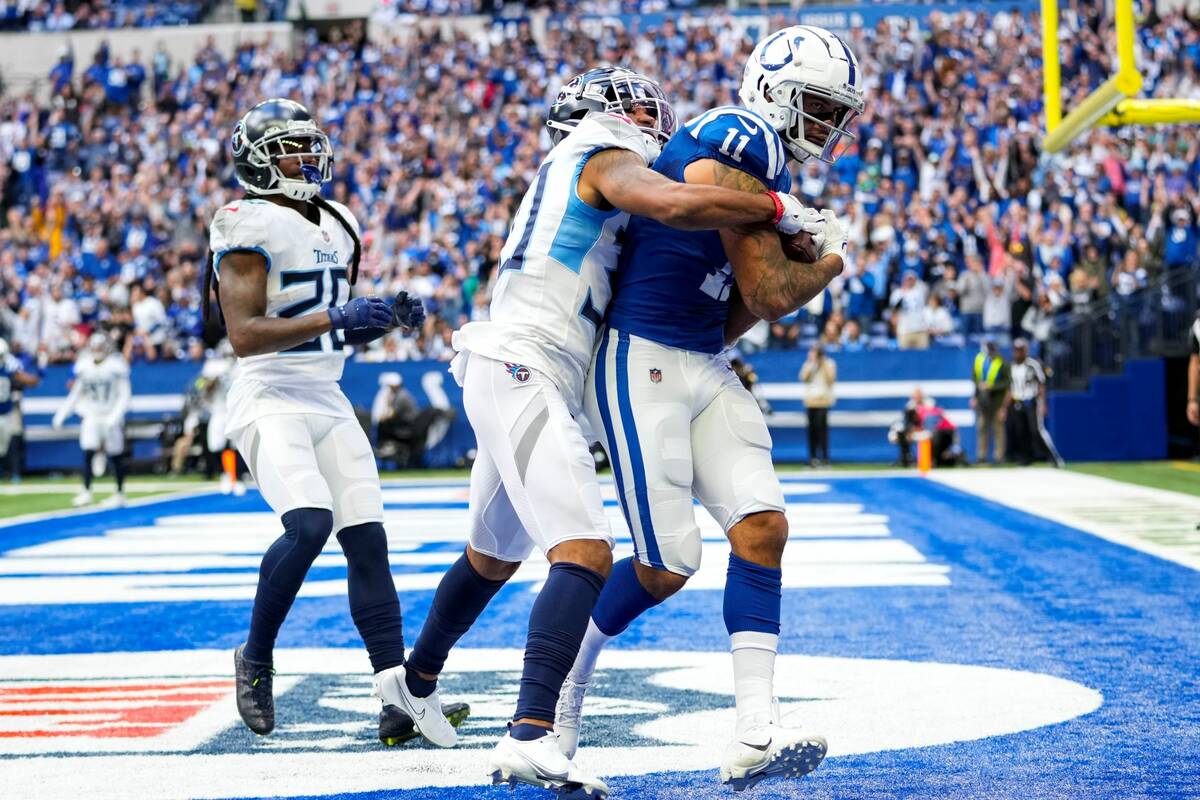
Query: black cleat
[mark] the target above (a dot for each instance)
(255, 699)
(396, 726)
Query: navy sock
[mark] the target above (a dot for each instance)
(460, 598)
(87, 468)
(752, 597)
(556, 626)
(526, 732)
(374, 605)
(305, 531)
(622, 600)
(118, 463)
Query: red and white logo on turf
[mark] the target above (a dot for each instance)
(104, 709)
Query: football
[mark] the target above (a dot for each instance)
(799, 247)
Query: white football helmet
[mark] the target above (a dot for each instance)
(100, 346)
(799, 64)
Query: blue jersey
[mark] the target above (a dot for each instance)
(673, 286)
(9, 367)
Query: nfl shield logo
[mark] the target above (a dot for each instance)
(655, 375)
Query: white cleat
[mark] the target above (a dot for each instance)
(116, 500)
(239, 489)
(770, 751)
(541, 763)
(226, 483)
(84, 498)
(568, 716)
(425, 712)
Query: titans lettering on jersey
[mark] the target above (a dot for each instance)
(673, 286)
(554, 281)
(9, 367)
(307, 267)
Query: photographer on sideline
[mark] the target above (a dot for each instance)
(820, 374)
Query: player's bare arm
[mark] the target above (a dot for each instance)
(619, 178)
(26, 380)
(771, 284)
(243, 290)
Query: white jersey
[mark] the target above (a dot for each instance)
(101, 390)
(307, 271)
(553, 284)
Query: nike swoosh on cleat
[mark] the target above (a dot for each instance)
(760, 747)
(542, 769)
(412, 709)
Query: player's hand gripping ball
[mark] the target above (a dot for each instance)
(799, 247)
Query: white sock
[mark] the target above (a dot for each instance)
(753, 677)
(585, 663)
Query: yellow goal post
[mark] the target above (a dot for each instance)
(1115, 101)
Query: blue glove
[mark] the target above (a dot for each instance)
(407, 311)
(361, 312)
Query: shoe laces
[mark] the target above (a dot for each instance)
(261, 684)
(573, 708)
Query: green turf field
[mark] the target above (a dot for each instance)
(1177, 476)
(36, 495)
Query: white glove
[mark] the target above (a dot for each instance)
(832, 236)
(797, 217)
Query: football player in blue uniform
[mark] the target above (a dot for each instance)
(523, 373)
(13, 378)
(680, 297)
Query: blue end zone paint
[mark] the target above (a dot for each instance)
(1026, 594)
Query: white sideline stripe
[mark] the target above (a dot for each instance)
(963, 418)
(164, 403)
(139, 403)
(1155, 521)
(866, 390)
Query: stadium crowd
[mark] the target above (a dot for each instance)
(65, 15)
(959, 226)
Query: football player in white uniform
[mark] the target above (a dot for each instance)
(522, 372)
(284, 260)
(676, 421)
(13, 378)
(218, 373)
(100, 395)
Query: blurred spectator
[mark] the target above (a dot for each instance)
(853, 339)
(908, 302)
(860, 289)
(819, 373)
(998, 308)
(972, 290)
(938, 321)
(1038, 323)
(394, 414)
(749, 378)
(438, 135)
